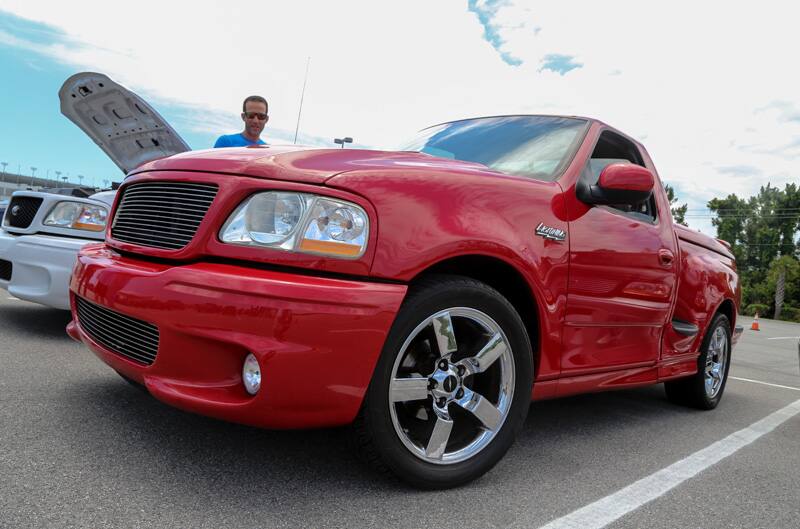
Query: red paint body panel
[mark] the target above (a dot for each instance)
(605, 297)
(618, 379)
(295, 163)
(620, 293)
(707, 279)
(626, 177)
(429, 215)
(697, 238)
(317, 340)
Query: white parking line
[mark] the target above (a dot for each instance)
(613, 507)
(764, 383)
(784, 338)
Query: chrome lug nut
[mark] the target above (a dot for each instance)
(441, 402)
(459, 393)
(461, 370)
(443, 365)
(432, 384)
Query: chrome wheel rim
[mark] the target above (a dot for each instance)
(716, 361)
(452, 385)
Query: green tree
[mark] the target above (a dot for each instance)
(678, 212)
(761, 229)
(732, 214)
(788, 215)
(789, 266)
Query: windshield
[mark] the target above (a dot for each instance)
(532, 146)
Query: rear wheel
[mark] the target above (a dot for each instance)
(452, 387)
(703, 390)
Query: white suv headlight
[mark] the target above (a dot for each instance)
(299, 222)
(78, 216)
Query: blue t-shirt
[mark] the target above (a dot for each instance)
(235, 140)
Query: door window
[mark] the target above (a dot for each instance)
(612, 148)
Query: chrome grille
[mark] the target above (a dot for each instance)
(126, 336)
(162, 214)
(21, 211)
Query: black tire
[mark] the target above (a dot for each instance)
(691, 391)
(376, 437)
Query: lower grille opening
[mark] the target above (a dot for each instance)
(134, 339)
(5, 270)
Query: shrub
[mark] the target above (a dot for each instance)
(756, 307)
(789, 313)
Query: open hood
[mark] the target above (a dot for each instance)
(128, 130)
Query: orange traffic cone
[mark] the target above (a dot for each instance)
(754, 326)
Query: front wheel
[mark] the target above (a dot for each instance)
(452, 387)
(703, 390)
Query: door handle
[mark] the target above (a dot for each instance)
(665, 257)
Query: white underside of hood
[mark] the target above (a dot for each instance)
(128, 130)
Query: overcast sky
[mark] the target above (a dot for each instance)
(711, 88)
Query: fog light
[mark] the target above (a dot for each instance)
(251, 374)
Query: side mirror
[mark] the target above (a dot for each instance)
(620, 183)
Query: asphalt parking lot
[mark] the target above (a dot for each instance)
(79, 447)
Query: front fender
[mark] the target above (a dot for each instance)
(426, 218)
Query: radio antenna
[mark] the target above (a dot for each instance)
(302, 94)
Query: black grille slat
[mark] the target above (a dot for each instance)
(177, 185)
(155, 216)
(113, 343)
(162, 215)
(126, 327)
(157, 227)
(158, 208)
(118, 341)
(5, 270)
(191, 197)
(22, 210)
(139, 233)
(126, 336)
(188, 202)
(148, 241)
(119, 329)
(147, 204)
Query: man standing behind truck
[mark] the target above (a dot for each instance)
(255, 117)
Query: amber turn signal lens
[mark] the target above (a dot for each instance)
(331, 248)
(88, 227)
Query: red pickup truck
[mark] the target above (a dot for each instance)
(425, 295)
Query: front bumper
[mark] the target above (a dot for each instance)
(41, 266)
(317, 339)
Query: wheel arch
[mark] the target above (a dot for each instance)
(503, 277)
(728, 308)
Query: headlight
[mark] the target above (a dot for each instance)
(299, 222)
(335, 228)
(77, 215)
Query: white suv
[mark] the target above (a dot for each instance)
(43, 232)
(40, 239)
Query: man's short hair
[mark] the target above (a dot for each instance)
(256, 99)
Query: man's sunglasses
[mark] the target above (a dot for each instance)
(251, 115)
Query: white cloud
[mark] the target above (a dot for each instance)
(710, 85)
